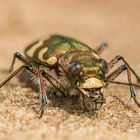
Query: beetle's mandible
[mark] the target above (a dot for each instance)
(68, 67)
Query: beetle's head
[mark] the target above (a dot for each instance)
(87, 67)
(88, 76)
(91, 86)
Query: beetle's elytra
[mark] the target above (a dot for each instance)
(68, 67)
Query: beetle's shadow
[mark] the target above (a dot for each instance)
(70, 104)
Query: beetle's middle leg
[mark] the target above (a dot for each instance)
(116, 60)
(28, 66)
(16, 56)
(116, 73)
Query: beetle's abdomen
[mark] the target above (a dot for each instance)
(35, 53)
(48, 51)
(40, 52)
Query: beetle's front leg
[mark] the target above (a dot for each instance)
(56, 84)
(43, 94)
(116, 73)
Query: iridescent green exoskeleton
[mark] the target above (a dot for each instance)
(68, 67)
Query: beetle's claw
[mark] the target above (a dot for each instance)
(87, 107)
(136, 101)
(41, 111)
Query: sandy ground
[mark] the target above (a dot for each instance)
(91, 21)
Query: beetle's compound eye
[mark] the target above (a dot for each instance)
(74, 68)
(103, 65)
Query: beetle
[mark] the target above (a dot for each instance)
(66, 66)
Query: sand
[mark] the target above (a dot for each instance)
(92, 22)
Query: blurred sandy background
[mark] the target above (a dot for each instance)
(90, 21)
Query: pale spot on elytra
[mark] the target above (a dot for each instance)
(51, 61)
(95, 55)
(31, 51)
(41, 53)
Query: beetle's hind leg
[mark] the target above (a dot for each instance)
(101, 48)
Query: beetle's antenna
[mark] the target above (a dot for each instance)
(122, 83)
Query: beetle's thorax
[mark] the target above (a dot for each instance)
(88, 63)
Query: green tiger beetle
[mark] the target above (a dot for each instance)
(66, 66)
